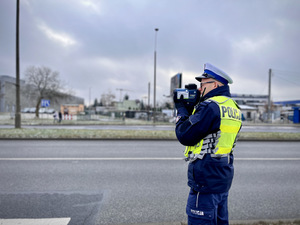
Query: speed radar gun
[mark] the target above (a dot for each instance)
(189, 95)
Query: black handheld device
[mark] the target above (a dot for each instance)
(190, 94)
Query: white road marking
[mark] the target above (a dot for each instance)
(83, 159)
(267, 159)
(50, 221)
(135, 159)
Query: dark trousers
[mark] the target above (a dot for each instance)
(207, 208)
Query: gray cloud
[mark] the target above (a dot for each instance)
(105, 45)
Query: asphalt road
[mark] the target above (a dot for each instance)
(115, 182)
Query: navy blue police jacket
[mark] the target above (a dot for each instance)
(210, 174)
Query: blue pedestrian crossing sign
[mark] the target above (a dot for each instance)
(45, 103)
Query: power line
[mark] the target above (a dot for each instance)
(287, 74)
(292, 81)
(286, 71)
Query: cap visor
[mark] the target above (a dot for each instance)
(203, 76)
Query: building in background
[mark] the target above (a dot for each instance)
(8, 93)
(289, 110)
(29, 97)
(71, 109)
(126, 105)
(253, 107)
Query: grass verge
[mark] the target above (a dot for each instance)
(74, 134)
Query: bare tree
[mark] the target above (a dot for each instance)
(44, 82)
(107, 99)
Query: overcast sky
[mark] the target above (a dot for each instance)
(105, 45)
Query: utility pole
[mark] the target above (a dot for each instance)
(90, 97)
(149, 94)
(18, 108)
(154, 84)
(269, 97)
(148, 108)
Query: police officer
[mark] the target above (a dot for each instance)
(209, 133)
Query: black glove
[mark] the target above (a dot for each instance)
(179, 103)
(175, 100)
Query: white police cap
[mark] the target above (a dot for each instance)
(211, 71)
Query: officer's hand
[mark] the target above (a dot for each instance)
(178, 102)
(179, 105)
(175, 97)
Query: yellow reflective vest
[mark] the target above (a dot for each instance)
(222, 142)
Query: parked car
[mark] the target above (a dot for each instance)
(25, 110)
(50, 111)
(42, 110)
(32, 110)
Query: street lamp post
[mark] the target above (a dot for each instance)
(154, 85)
(17, 109)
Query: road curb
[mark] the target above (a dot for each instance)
(266, 222)
(236, 222)
(85, 134)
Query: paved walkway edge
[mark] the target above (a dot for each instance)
(236, 222)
